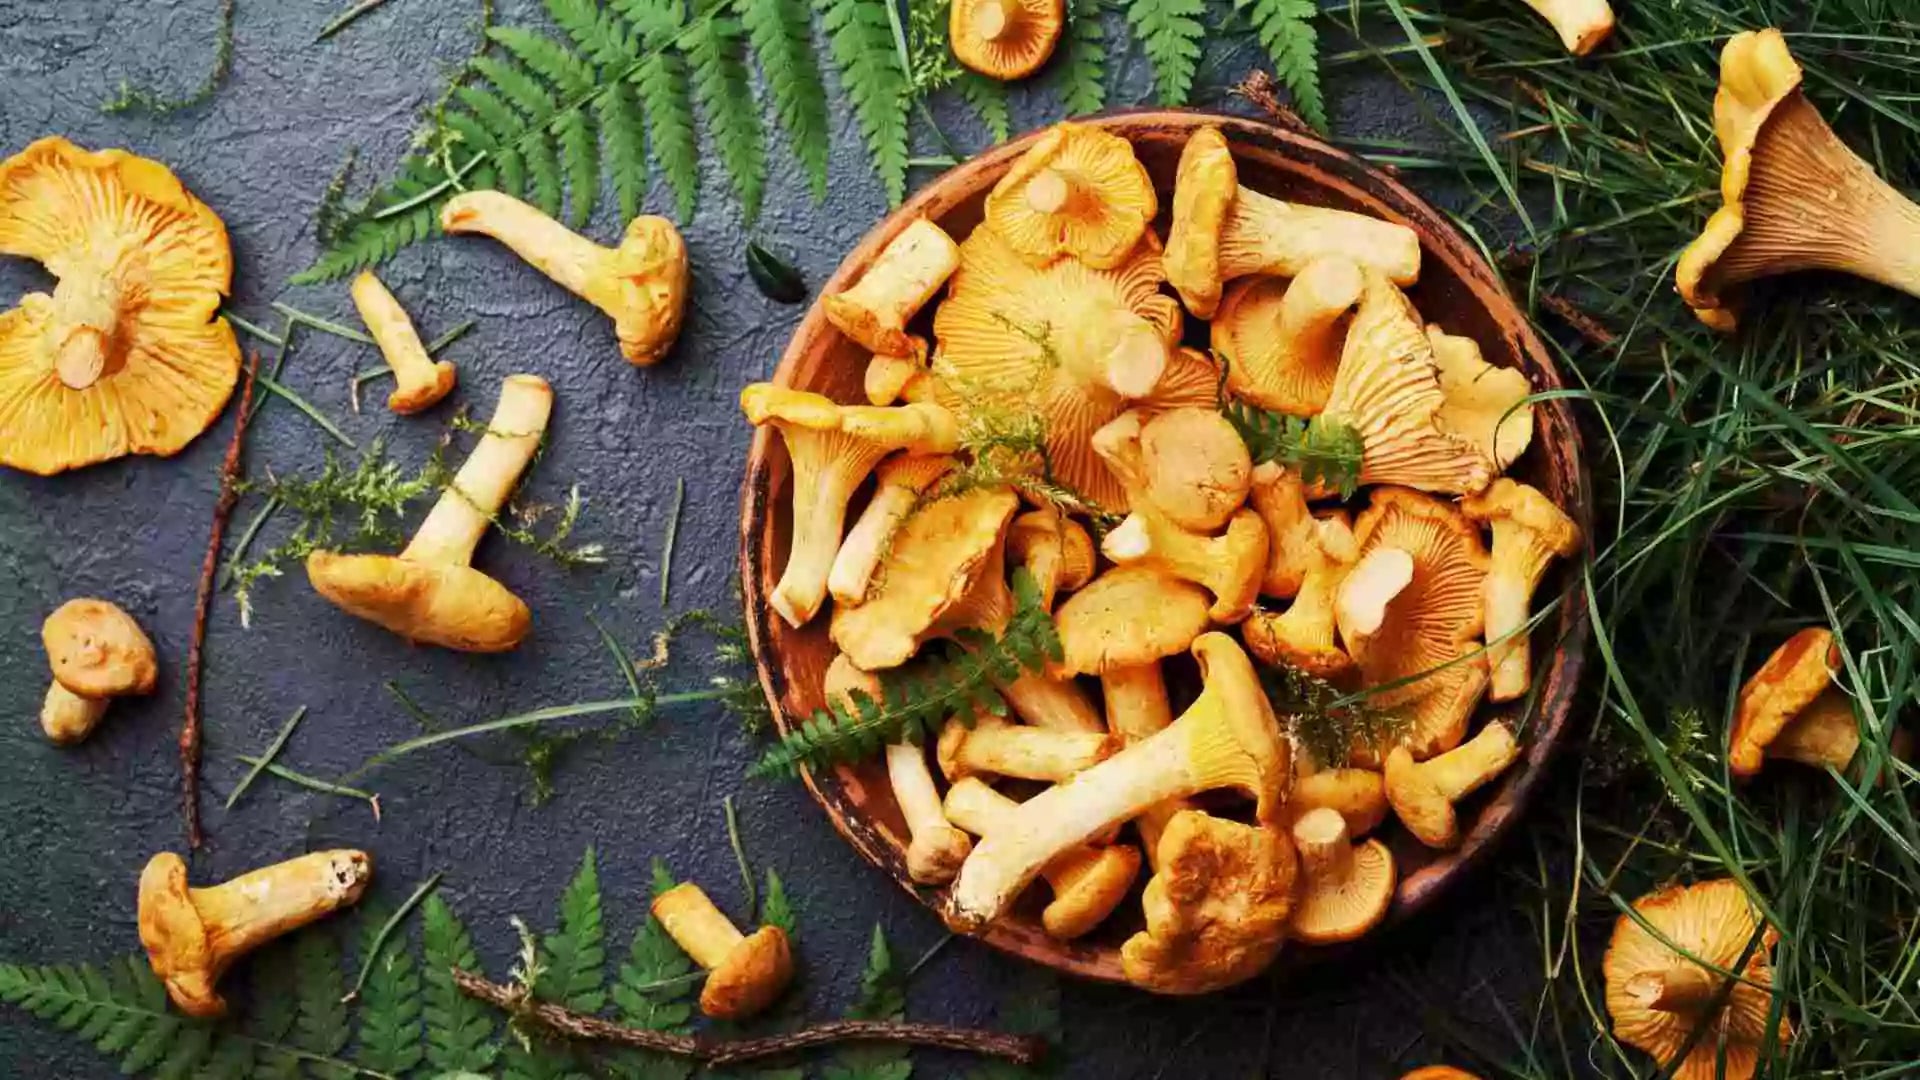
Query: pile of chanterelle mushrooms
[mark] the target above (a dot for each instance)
(1055, 305)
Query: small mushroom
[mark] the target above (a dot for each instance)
(1079, 192)
(1120, 627)
(1197, 470)
(1359, 796)
(1088, 882)
(428, 593)
(1216, 907)
(745, 972)
(1228, 738)
(833, 448)
(1794, 197)
(1346, 888)
(1439, 1072)
(875, 310)
(898, 378)
(1790, 709)
(1005, 39)
(1529, 532)
(899, 482)
(1303, 635)
(1581, 24)
(1484, 405)
(97, 653)
(1423, 793)
(1658, 997)
(935, 849)
(1054, 548)
(1230, 566)
(1280, 499)
(1281, 339)
(1360, 607)
(987, 744)
(128, 354)
(641, 285)
(419, 382)
(1222, 231)
(193, 935)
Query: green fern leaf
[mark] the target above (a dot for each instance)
(549, 59)
(495, 122)
(782, 38)
(601, 34)
(1286, 31)
(544, 184)
(374, 239)
(989, 99)
(655, 991)
(1170, 32)
(662, 85)
(1032, 1007)
(389, 1014)
(575, 974)
(776, 909)
(861, 38)
(518, 86)
(623, 138)
(459, 1029)
(1082, 74)
(883, 996)
(713, 47)
(321, 1026)
(580, 153)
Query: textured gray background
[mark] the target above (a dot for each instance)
(76, 825)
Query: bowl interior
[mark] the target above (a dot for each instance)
(1457, 290)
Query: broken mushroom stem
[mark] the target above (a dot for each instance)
(419, 381)
(1088, 881)
(993, 746)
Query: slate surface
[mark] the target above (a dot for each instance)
(76, 825)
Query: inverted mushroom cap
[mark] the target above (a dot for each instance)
(1192, 380)
(454, 606)
(1197, 470)
(1126, 617)
(1230, 566)
(1080, 192)
(1483, 404)
(1657, 996)
(1282, 339)
(126, 356)
(1216, 907)
(1005, 39)
(1347, 888)
(96, 650)
(751, 977)
(1204, 188)
(1791, 679)
(1303, 635)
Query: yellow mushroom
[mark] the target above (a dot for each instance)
(1360, 605)
(1054, 548)
(875, 310)
(193, 935)
(97, 653)
(1280, 499)
(1088, 882)
(1005, 39)
(1791, 709)
(1794, 197)
(1230, 566)
(1078, 192)
(1529, 532)
(900, 481)
(1303, 635)
(127, 355)
(1222, 231)
(1282, 339)
(1581, 24)
(1216, 907)
(419, 382)
(745, 972)
(898, 378)
(1196, 467)
(428, 593)
(1346, 888)
(833, 448)
(641, 285)
(1359, 796)
(1483, 404)
(987, 744)
(1423, 793)
(1120, 627)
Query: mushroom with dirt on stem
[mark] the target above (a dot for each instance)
(1794, 197)
(97, 652)
(1088, 882)
(899, 482)
(1078, 191)
(428, 593)
(1303, 636)
(1217, 906)
(1581, 24)
(1529, 532)
(875, 310)
(1423, 793)
(987, 744)
(1281, 339)
(832, 448)
(419, 380)
(1790, 709)
(935, 849)
(1005, 39)
(642, 284)
(193, 935)
(1346, 887)
(745, 972)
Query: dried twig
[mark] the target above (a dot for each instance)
(1258, 90)
(1019, 1049)
(222, 510)
(1578, 320)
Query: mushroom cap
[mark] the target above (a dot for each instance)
(1825, 733)
(1017, 340)
(1192, 380)
(1581, 24)
(1204, 188)
(649, 282)
(1359, 796)
(938, 555)
(1216, 907)
(1078, 191)
(916, 472)
(1127, 617)
(1229, 678)
(1197, 467)
(1086, 894)
(96, 650)
(1439, 1072)
(1786, 684)
(453, 606)
(1484, 404)
(1259, 331)
(142, 268)
(1303, 635)
(1712, 920)
(1328, 909)
(177, 942)
(1005, 39)
(750, 977)
(1280, 499)
(1432, 623)
(412, 399)
(1510, 501)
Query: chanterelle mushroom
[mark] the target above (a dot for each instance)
(127, 356)
(1791, 709)
(1658, 997)
(1217, 906)
(899, 481)
(1303, 635)
(1078, 191)
(987, 744)
(910, 269)
(833, 447)
(428, 592)
(1222, 231)
(1483, 404)
(1005, 39)
(935, 849)
(1088, 882)
(641, 285)
(419, 380)
(1359, 796)
(1282, 339)
(1197, 470)
(1120, 627)
(1794, 197)
(1423, 792)
(97, 652)
(1280, 499)
(1347, 887)
(1228, 738)
(1054, 548)
(1581, 24)
(1529, 532)
(745, 972)
(193, 935)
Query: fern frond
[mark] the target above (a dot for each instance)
(782, 39)
(606, 39)
(1082, 74)
(544, 57)
(1286, 31)
(389, 1014)
(861, 38)
(459, 1029)
(580, 155)
(776, 909)
(714, 48)
(369, 241)
(1324, 453)
(544, 182)
(320, 1026)
(883, 996)
(1170, 32)
(517, 85)
(661, 82)
(989, 100)
(655, 991)
(624, 142)
(575, 975)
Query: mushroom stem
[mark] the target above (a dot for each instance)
(571, 260)
(86, 317)
(1507, 594)
(1326, 850)
(1683, 987)
(937, 848)
(1264, 235)
(1030, 753)
(992, 18)
(826, 469)
(909, 270)
(980, 810)
(419, 382)
(1050, 191)
(1361, 604)
(456, 523)
(860, 553)
(254, 908)
(67, 717)
(1136, 700)
(701, 930)
(1053, 704)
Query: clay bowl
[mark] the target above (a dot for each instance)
(1457, 289)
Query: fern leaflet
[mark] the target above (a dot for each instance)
(390, 1039)
(606, 39)
(661, 82)
(623, 139)
(782, 38)
(655, 991)
(1325, 453)
(1286, 31)
(459, 1029)
(861, 38)
(713, 47)
(1170, 32)
(1082, 74)
(575, 975)
(989, 99)
(776, 909)
(883, 996)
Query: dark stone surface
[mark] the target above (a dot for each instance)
(76, 825)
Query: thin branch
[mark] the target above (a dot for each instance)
(1258, 90)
